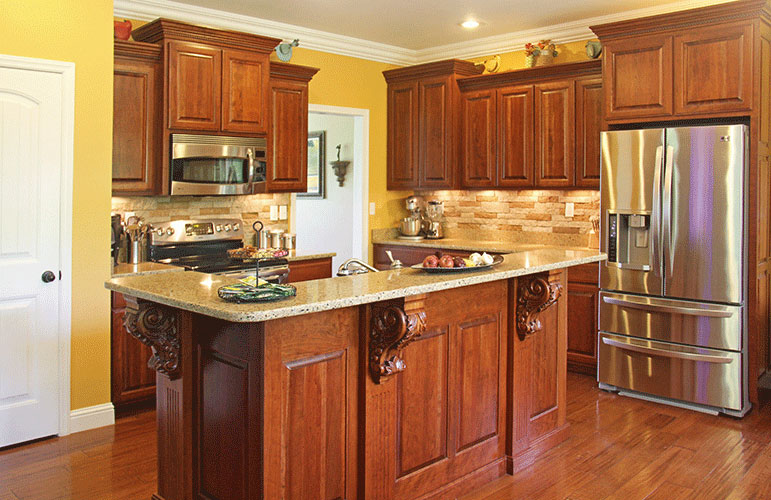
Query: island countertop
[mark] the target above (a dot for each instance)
(197, 292)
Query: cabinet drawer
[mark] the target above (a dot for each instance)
(585, 273)
(703, 376)
(679, 321)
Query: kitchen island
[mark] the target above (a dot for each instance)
(399, 384)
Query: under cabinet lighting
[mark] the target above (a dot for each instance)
(470, 24)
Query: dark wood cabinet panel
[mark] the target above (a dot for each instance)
(554, 134)
(313, 269)
(402, 144)
(137, 127)
(583, 302)
(436, 159)
(588, 128)
(132, 382)
(245, 89)
(515, 137)
(478, 153)
(713, 69)
(195, 78)
(288, 155)
(638, 77)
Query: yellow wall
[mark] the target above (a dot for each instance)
(569, 52)
(80, 31)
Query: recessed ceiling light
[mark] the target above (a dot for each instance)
(470, 24)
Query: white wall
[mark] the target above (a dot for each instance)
(327, 225)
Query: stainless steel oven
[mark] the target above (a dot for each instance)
(217, 165)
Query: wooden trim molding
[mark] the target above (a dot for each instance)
(530, 75)
(137, 50)
(294, 72)
(155, 326)
(162, 29)
(392, 329)
(439, 68)
(534, 295)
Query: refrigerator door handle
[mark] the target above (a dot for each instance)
(652, 351)
(655, 251)
(645, 304)
(667, 206)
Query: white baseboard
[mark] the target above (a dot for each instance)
(92, 417)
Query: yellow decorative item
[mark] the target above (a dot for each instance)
(543, 53)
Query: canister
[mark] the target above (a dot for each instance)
(289, 240)
(275, 238)
(264, 239)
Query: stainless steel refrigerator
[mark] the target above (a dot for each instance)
(672, 302)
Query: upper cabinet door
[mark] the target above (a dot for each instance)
(245, 84)
(713, 69)
(638, 72)
(195, 75)
(554, 134)
(402, 134)
(288, 161)
(588, 127)
(136, 127)
(515, 136)
(436, 160)
(478, 147)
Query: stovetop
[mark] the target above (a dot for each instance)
(220, 263)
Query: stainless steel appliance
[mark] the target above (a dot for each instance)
(433, 221)
(410, 228)
(202, 245)
(217, 165)
(672, 313)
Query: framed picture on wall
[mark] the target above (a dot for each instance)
(316, 164)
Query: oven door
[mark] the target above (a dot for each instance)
(216, 165)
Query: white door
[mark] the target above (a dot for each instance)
(31, 121)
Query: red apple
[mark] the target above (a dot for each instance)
(122, 29)
(430, 261)
(446, 261)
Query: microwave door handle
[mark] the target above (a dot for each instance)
(667, 207)
(250, 165)
(655, 250)
(652, 351)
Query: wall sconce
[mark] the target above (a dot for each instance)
(340, 166)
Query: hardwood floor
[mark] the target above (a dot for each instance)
(619, 448)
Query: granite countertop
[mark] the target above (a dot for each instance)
(197, 292)
(143, 268)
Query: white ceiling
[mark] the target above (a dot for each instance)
(406, 31)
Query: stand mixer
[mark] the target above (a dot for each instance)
(432, 225)
(410, 227)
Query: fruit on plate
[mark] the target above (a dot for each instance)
(446, 261)
(431, 261)
(459, 262)
(484, 259)
(469, 263)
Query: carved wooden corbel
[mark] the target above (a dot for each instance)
(392, 329)
(534, 295)
(155, 326)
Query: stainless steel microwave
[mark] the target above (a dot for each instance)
(217, 165)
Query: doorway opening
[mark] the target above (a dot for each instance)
(339, 221)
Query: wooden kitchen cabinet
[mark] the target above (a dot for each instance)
(132, 382)
(312, 269)
(287, 169)
(583, 302)
(554, 134)
(478, 132)
(137, 126)
(588, 127)
(245, 87)
(423, 124)
(515, 132)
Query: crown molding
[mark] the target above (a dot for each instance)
(573, 31)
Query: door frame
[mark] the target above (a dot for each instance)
(360, 182)
(67, 71)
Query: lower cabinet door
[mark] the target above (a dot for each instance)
(582, 329)
(132, 381)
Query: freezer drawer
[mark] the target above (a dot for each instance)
(704, 376)
(679, 321)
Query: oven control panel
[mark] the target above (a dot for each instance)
(188, 231)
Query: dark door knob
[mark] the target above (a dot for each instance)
(48, 277)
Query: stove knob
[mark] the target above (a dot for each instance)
(235, 227)
(160, 232)
(219, 228)
(170, 231)
(227, 227)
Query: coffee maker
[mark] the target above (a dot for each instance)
(432, 225)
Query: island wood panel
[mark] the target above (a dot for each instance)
(554, 134)
(313, 269)
(288, 150)
(537, 374)
(436, 158)
(228, 366)
(515, 136)
(638, 74)
(583, 302)
(245, 89)
(195, 79)
(588, 128)
(402, 140)
(136, 126)
(455, 378)
(478, 146)
(713, 69)
(131, 379)
(310, 419)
